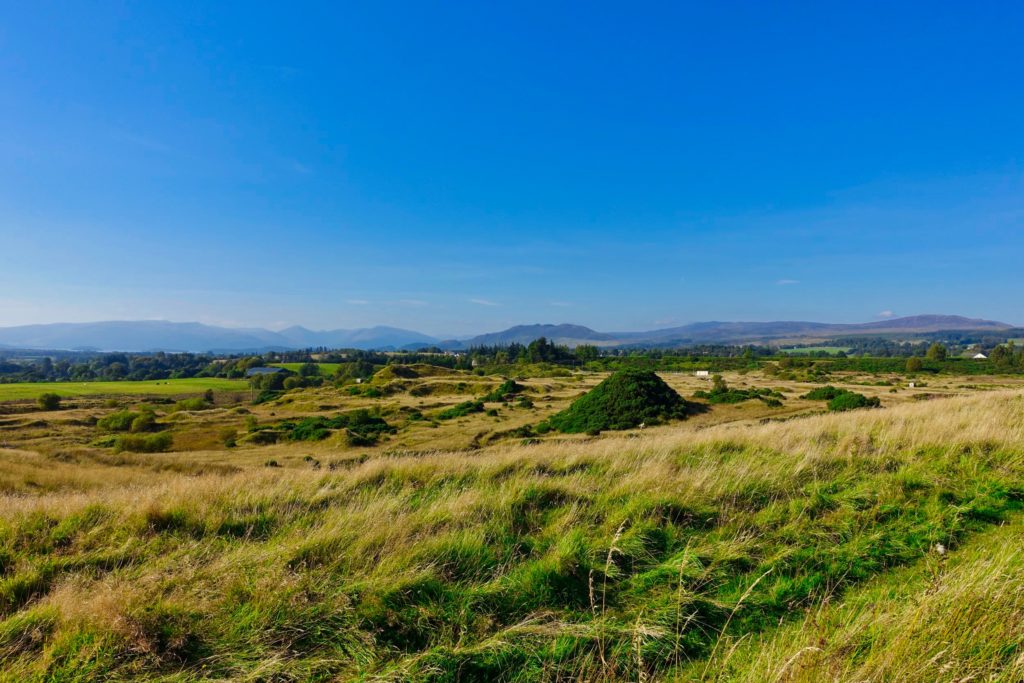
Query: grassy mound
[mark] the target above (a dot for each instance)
(390, 373)
(626, 399)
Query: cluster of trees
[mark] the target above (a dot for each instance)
(880, 347)
(538, 351)
(105, 366)
(866, 355)
(1007, 357)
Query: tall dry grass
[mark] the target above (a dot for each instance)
(411, 567)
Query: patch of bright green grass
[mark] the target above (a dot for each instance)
(326, 369)
(830, 350)
(163, 387)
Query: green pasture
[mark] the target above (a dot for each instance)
(831, 350)
(326, 369)
(166, 387)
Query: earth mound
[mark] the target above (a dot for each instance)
(624, 400)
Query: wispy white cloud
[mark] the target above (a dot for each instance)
(886, 314)
(412, 302)
(359, 302)
(484, 302)
(785, 282)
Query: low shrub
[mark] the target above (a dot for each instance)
(198, 403)
(48, 401)
(461, 410)
(120, 421)
(229, 437)
(721, 393)
(852, 401)
(151, 443)
(145, 422)
(825, 393)
(508, 388)
(359, 422)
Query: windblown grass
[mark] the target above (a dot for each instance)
(646, 558)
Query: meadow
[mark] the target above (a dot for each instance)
(830, 350)
(326, 369)
(163, 387)
(750, 542)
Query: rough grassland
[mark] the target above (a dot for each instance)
(659, 557)
(162, 387)
(946, 618)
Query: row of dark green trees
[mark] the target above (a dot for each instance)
(355, 364)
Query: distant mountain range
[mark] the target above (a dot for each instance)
(157, 335)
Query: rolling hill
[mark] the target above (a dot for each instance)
(160, 335)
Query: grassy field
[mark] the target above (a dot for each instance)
(748, 543)
(326, 369)
(831, 350)
(164, 387)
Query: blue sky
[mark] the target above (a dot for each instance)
(460, 167)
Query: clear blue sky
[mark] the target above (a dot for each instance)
(460, 167)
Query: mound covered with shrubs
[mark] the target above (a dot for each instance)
(362, 428)
(625, 400)
(461, 410)
(723, 393)
(852, 401)
(505, 390)
(841, 399)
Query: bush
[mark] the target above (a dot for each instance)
(359, 440)
(507, 388)
(229, 437)
(292, 383)
(198, 403)
(460, 410)
(914, 364)
(721, 393)
(145, 422)
(152, 443)
(359, 422)
(48, 401)
(826, 393)
(121, 421)
(851, 401)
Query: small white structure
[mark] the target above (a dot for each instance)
(702, 373)
(979, 356)
(912, 385)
